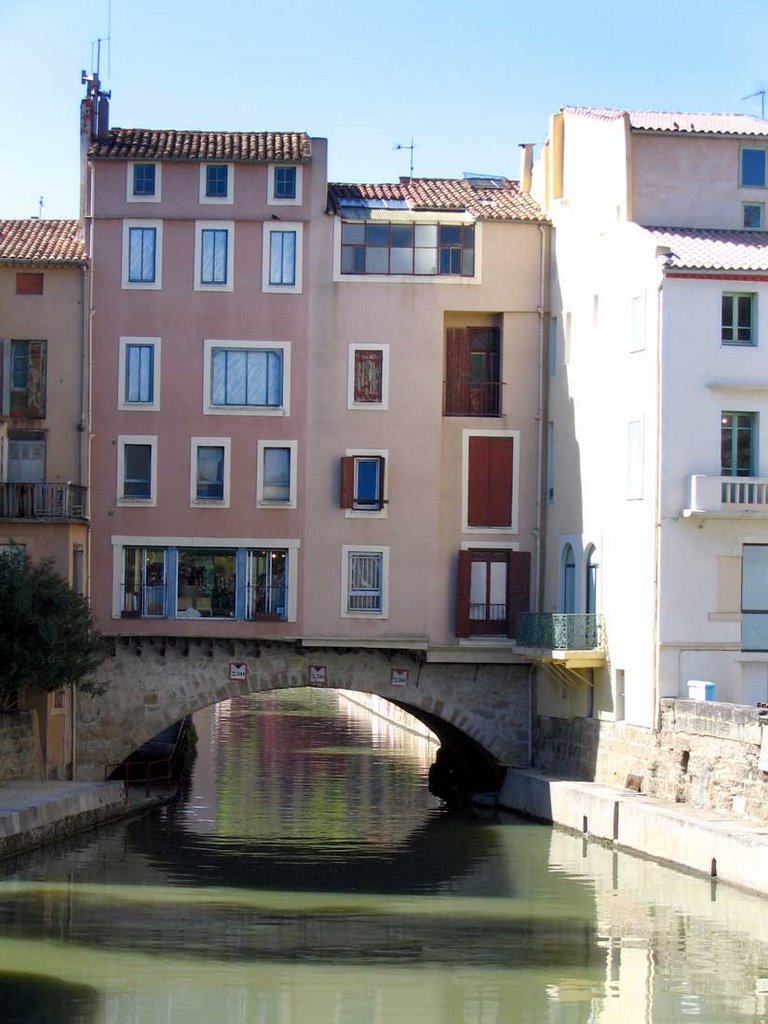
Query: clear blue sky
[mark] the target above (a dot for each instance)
(466, 80)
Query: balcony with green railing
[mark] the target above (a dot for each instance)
(575, 640)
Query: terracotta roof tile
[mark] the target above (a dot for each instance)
(664, 121)
(43, 241)
(238, 147)
(508, 202)
(710, 249)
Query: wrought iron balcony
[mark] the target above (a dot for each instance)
(727, 497)
(465, 397)
(564, 637)
(42, 501)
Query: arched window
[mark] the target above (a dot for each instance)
(568, 601)
(592, 566)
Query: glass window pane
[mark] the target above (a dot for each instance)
(753, 167)
(138, 373)
(401, 261)
(210, 472)
(276, 484)
(425, 261)
(377, 234)
(353, 234)
(236, 360)
(727, 318)
(376, 261)
(206, 584)
(425, 236)
(367, 490)
(285, 182)
(137, 471)
(468, 262)
(402, 236)
(450, 234)
(754, 578)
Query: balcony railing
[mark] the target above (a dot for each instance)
(464, 397)
(727, 495)
(560, 632)
(42, 501)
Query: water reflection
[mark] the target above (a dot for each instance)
(309, 877)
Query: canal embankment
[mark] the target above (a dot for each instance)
(36, 813)
(707, 842)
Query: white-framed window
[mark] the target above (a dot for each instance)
(364, 483)
(276, 474)
(284, 185)
(142, 254)
(231, 578)
(635, 459)
(282, 257)
(209, 472)
(753, 216)
(217, 183)
(143, 182)
(138, 381)
(490, 481)
(637, 323)
(214, 255)
(137, 469)
(738, 321)
(364, 581)
(368, 377)
(752, 166)
(247, 378)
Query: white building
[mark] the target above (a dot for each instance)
(658, 404)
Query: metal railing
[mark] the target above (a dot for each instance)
(463, 397)
(138, 771)
(557, 631)
(267, 604)
(42, 501)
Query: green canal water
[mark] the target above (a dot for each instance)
(307, 876)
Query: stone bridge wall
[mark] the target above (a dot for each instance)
(707, 755)
(152, 683)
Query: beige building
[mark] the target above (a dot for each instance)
(428, 312)
(43, 422)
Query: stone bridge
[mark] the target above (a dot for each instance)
(477, 711)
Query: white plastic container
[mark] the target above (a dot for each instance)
(699, 689)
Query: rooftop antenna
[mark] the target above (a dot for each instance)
(761, 94)
(411, 147)
(40, 205)
(104, 39)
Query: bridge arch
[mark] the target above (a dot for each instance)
(150, 683)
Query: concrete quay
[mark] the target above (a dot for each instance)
(707, 842)
(34, 813)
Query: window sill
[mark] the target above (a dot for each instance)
(244, 410)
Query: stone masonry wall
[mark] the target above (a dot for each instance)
(19, 746)
(151, 684)
(706, 755)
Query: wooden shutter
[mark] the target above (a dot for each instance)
(489, 484)
(518, 588)
(36, 380)
(29, 284)
(368, 375)
(463, 584)
(457, 372)
(347, 496)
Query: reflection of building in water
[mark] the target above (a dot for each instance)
(712, 938)
(390, 726)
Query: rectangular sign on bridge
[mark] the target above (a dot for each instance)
(238, 672)
(318, 675)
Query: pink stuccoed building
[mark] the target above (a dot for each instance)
(316, 409)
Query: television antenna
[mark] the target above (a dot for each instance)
(104, 39)
(761, 94)
(410, 147)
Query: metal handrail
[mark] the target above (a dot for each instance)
(560, 631)
(42, 501)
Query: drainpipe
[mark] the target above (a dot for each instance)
(541, 416)
(657, 507)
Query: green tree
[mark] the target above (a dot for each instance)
(47, 637)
